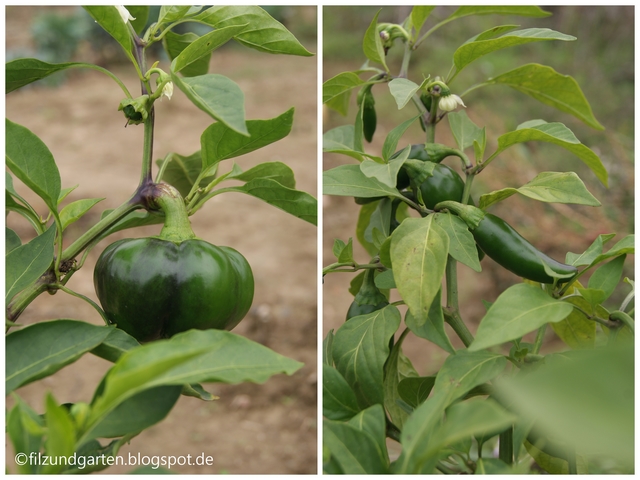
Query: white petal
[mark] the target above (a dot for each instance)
(167, 90)
(124, 13)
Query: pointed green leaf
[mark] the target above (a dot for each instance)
(109, 18)
(360, 349)
(141, 14)
(372, 45)
(182, 172)
(519, 310)
(551, 88)
(355, 451)
(31, 161)
(374, 422)
(12, 240)
(204, 45)
(61, 434)
(218, 96)
(469, 52)
(278, 171)
(340, 84)
(23, 71)
(403, 90)
(348, 180)
(491, 33)
(220, 142)
(558, 134)
(175, 43)
(327, 349)
(362, 227)
(462, 246)
(419, 249)
(264, 33)
(115, 345)
(464, 130)
(397, 368)
(338, 400)
(433, 328)
(626, 246)
(75, 210)
(41, 349)
(419, 14)
(607, 277)
(415, 390)
(391, 142)
(386, 173)
(25, 264)
(591, 253)
(576, 330)
(523, 11)
(297, 203)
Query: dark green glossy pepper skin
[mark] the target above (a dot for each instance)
(445, 184)
(153, 288)
(355, 309)
(501, 242)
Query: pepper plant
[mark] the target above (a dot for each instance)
(497, 405)
(176, 292)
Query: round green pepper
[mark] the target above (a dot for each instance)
(368, 299)
(355, 309)
(501, 242)
(445, 184)
(156, 287)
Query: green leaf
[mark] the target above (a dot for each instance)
(415, 390)
(576, 330)
(171, 13)
(378, 223)
(278, 171)
(578, 398)
(64, 193)
(558, 134)
(386, 173)
(203, 46)
(137, 413)
(23, 71)
(220, 142)
(626, 246)
(115, 345)
(492, 33)
(348, 180)
(403, 90)
(523, 11)
(197, 391)
(342, 251)
(182, 172)
(397, 368)
(75, 210)
(362, 227)
(360, 349)
(218, 96)
(338, 400)
(391, 142)
(31, 161)
(355, 451)
(419, 14)
(374, 422)
(591, 253)
(462, 246)
(297, 203)
(372, 45)
(25, 264)
(466, 370)
(419, 249)
(594, 296)
(141, 14)
(341, 84)
(41, 349)
(175, 43)
(61, 435)
(519, 310)
(551, 88)
(109, 18)
(607, 277)
(551, 187)
(25, 428)
(327, 349)
(264, 33)
(433, 329)
(12, 240)
(471, 51)
(464, 130)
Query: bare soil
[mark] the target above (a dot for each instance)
(251, 429)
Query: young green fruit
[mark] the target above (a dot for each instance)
(156, 287)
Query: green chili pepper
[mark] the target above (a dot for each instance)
(501, 242)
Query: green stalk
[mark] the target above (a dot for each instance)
(88, 300)
(539, 337)
(404, 70)
(147, 149)
(177, 226)
(430, 126)
(452, 312)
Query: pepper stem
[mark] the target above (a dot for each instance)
(177, 227)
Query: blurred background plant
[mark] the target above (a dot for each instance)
(602, 62)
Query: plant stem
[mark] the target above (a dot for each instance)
(106, 72)
(539, 337)
(430, 126)
(452, 313)
(177, 227)
(404, 70)
(466, 193)
(86, 299)
(147, 149)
